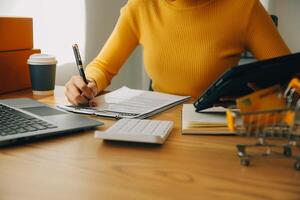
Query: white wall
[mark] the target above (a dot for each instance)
(265, 4)
(60, 23)
(57, 25)
(288, 12)
(101, 17)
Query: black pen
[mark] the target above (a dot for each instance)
(79, 62)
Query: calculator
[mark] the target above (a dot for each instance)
(138, 130)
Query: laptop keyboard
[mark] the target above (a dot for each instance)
(13, 122)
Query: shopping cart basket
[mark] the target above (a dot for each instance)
(283, 124)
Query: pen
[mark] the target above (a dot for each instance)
(79, 62)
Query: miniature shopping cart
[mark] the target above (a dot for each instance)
(283, 124)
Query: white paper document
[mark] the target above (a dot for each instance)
(129, 103)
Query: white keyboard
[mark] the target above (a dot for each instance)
(137, 130)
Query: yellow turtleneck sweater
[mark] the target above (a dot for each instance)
(187, 44)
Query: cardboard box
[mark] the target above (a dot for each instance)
(16, 33)
(14, 71)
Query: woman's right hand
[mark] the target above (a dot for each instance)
(79, 93)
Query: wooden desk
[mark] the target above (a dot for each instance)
(78, 166)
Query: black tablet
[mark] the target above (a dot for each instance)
(234, 82)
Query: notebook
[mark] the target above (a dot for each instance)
(129, 103)
(208, 121)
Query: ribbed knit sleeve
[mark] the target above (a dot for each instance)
(262, 37)
(116, 50)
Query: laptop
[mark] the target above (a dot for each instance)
(24, 119)
(234, 82)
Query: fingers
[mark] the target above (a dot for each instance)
(79, 93)
(74, 96)
(92, 103)
(74, 93)
(93, 87)
(81, 86)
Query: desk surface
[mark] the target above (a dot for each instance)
(78, 166)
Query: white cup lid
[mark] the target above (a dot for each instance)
(41, 59)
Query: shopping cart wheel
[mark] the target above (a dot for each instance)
(241, 150)
(287, 151)
(297, 165)
(245, 161)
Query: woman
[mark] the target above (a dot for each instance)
(186, 44)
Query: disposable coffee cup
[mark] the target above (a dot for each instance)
(42, 68)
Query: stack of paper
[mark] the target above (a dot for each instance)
(208, 121)
(129, 103)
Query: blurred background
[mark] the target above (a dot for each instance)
(60, 23)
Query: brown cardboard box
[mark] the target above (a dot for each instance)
(16, 33)
(14, 71)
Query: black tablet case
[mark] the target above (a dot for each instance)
(234, 82)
